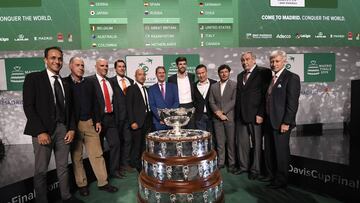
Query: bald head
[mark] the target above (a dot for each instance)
(140, 76)
(102, 67)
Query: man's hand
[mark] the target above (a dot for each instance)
(224, 118)
(44, 139)
(284, 128)
(259, 120)
(98, 127)
(134, 126)
(69, 136)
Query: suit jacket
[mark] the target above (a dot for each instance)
(100, 96)
(284, 100)
(200, 102)
(157, 101)
(136, 106)
(39, 105)
(88, 90)
(173, 79)
(250, 98)
(130, 80)
(226, 102)
(119, 100)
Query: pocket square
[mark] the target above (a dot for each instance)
(279, 86)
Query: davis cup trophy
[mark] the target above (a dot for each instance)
(179, 165)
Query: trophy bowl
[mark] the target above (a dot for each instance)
(176, 118)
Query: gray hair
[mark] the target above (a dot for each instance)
(278, 53)
(253, 56)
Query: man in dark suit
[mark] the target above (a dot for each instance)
(282, 101)
(47, 105)
(87, 117)
(121, 83)
(252, 84)
(162, 95)
(137, 102)
(184, 82)
(203, 113)
(105, 95)
(222, 102)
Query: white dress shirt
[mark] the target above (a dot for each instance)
(52, 80)
(203, 89)
(143, 93)
(184, 90)
(120, 79)
(109, 89)
(222, 86)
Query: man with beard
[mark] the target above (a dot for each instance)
(184, 82)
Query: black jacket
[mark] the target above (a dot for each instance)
(39, 105)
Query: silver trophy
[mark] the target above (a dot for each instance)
(176, 118)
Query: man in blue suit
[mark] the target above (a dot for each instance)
(162, 95)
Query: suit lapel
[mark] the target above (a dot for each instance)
(280, 79)
(47, 86)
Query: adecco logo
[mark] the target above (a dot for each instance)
(283, 36)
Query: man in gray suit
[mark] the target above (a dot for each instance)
(222, 102)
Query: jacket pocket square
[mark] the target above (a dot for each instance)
(279, 86)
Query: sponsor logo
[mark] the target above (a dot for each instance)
(4, 39)
(283, 36)
(320, 35)
(17, 75)
(21, 38)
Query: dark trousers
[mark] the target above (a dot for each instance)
(277, 153)
(125, 140)
(110, 132)
(204, 123)
(42, 158)
(138, 142)
(249, 135)
(191, 124)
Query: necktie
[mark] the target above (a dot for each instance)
(60, 100)
(268, 96)
(107, 97)
(246, 76)
(271, 84)
(146, 100)
(162, 90)
(123, 85)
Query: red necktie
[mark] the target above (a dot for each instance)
(162, 90)
(107, 97)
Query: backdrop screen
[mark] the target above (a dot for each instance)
(86, 24)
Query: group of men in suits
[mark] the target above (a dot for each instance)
(252, 118)
(83, 111)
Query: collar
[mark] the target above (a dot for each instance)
(51, 74)
(99, 77)
(139, 85)
(75, 81)
(185, 75)
(221, 83)
(204, 83)
(278, 73)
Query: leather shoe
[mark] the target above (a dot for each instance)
(253, 176)
(73, 200)
(108, 188)
(266, 178)
(129, 169)
(84, 191)
(117, 175)
(276, 186)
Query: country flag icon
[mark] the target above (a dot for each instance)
(92, 3)
(93, 27)
(146, 4)
(92, 12)
(60, 37)
(350, 36)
